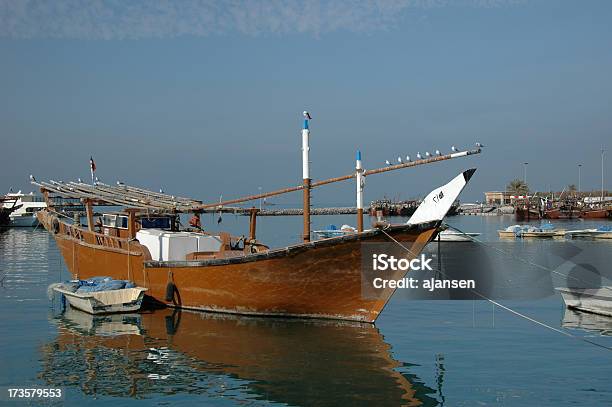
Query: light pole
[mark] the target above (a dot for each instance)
(602, 175)
(579, 167)
(525, 173)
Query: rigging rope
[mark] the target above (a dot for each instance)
(528, 318)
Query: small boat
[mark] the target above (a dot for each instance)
(595, 300)
(454, 236)
(602, 232)
(587, 321)
(596, 213)
(526, 214)
(22, 209)
(543, 233)
(333, 231)
(527, 231)
(101, 295)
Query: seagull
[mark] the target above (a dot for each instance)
(438, 152)
(307, 115)
(399, 160)
(161, 191)
(479, 145)
(387, 162)
(407, 158)
(419, 156)
(79, 180)
(454, 148)
(427, 154)
(32, 178)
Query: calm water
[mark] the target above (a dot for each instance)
(433, 352)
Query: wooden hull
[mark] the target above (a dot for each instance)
(596, 214)
(522, 214)
(321, 279)
(561, 214)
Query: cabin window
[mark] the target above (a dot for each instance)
(122, 222)
(109, 220)
(115, 221)
(155, 223)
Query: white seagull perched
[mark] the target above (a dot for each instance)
(307, 115)
(419, 156)
(427, 154)
(161, 191)
(32, 178)
(407, 158)
(387, 162)
(399, 160)
(454, 149)
(438, 152)
(79, 180)
(479, 145)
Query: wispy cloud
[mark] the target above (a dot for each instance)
(119, 19)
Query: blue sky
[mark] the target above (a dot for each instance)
(205, 98)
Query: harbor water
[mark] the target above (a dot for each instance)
(431, 352)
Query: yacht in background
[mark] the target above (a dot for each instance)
(23, 208)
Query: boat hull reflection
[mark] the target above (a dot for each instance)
(292, 361)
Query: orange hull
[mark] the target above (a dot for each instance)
(596, 214)
(320, 279)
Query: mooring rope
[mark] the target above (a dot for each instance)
(517, 257)
(517, 313)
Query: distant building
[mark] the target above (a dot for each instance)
(597, 199)
(497, 198)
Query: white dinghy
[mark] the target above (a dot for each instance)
(595, 300)
(101, 295)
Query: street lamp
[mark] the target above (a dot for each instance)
(579, 167)
(525, 173)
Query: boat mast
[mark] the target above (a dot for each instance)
(360, 183)
(602, 177)
(306, 177)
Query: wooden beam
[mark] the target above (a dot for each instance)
(89, 211)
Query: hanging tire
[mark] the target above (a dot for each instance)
(170, 288)
(55, 226)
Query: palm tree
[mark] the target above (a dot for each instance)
(517, 187)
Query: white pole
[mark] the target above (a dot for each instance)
(306, 177)
(305, 148)
(360, 182)
(359, 171)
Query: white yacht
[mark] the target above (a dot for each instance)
(26, 207)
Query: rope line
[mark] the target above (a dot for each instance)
(526, 317)
(517, 257)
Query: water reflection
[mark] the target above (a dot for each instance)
(287, 361)
(586, 321)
